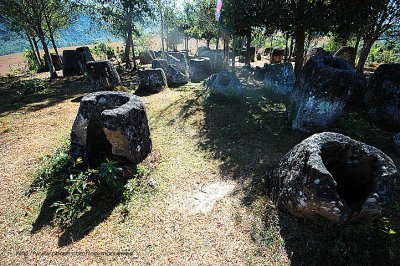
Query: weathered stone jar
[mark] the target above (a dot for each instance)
(332, 176)
(102, 75)
(279, 80)
(110, 123)
(321, 92)
(152, 80)
(382, 99)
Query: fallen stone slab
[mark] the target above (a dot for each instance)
(110, 123)
(332, 176)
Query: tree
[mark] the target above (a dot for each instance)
(120, 17)
(30, 15)
(383, 16)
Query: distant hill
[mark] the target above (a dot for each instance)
(84, 31)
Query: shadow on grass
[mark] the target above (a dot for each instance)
(250, 135)
(102, 205)
(59, 90)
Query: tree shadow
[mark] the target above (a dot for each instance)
(58, 90)
(250, 135)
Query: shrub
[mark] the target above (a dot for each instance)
(31, 86)
(51, 168)
(111, 175)
(81, 189)
(30, 60)
(102, 50)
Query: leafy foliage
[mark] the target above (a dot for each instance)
(80, 189)
(104, 51)
(30, 86)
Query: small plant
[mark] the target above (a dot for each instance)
(31, 86)
(111, 175)
(80, 189)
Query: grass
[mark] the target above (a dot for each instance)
(197, 140)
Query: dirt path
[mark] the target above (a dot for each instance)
(166, 229)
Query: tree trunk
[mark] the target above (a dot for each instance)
(291, 49)
(286, 47)
(33, 49)
(234, 53)
(208, 43)
(37, 51)
(217, 44)
(53, 42)
(368, 42)
(162, 32)
(133, 56)
(227, 51)
(300, 37)
(128, 40)
(52, 71)
(248, 44)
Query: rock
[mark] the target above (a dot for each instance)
(110, 123)
(253, 53)
(332, 176)
(175, 77)
(279, 80)
(216, 59)
(317, 51)
(145, 57)
(267, 51)
(160, 63)
(259, 73)
(102, 75)
(322, 91)
(83, 55)
(182, 63)
(226, 84)
(259, 57)
(57, 62)
(242, 59)
(396, 140)
(246, 72)
(243, 52)
(382, 99)
(70, 64)
(277, 55)
(201, 50)
(152, 80)
(199, 69)
(158, 54)
(347, 53)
